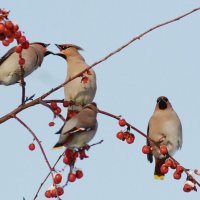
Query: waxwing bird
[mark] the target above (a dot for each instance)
(10, 69)
(165, 129)
(77, 91)
(80, 129)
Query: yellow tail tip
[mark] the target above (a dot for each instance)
(56, 148)
(156, 177)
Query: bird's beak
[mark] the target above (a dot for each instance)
(48, 52)
(61, 55)
(46, 45)
(59, 46)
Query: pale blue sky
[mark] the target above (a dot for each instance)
(165, 62)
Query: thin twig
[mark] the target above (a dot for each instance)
(48, 176)
(37, 101)
(48, 106)
(38, 141)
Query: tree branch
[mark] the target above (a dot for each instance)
(37, 101)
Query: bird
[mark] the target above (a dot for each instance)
(165, 129)
(10, 71)
(79, 91)
(80, 129)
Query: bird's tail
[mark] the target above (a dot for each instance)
(157, 173)
(57, 146)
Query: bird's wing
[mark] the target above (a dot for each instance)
(150, 155)
(76, 130)
(60, 130)
(9, 52)
(39, 56)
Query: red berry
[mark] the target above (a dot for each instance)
(163, 150)
(2, 28)
(51, 123)
(164, 169)
(8, 24)
(69, 152)
(174, 165)
(196, 171)
(22, 39)
(48, 194)
(176, 175)
(67, 160)
(82, 154)
(31, 146)
(122, 122)
(120, 135)
(187, 188)
(21, 61)
(79, 174)
(179, 169)
(5, 43)
(146, 149)
(75, 154)
(130, 138)
(2, 36)
(54, 105)
(11, 39)
(57, 178)
(18, 49)
(168, 162)
(71, 177)
(66, 103)
(71, 114)
(53, 193)
(25, 45)
(18, 34)
(60, 191)
(57, 111)
(15, 28)
(84, 79)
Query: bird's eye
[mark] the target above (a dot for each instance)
(158, 100)
(165, 99)
(65, 47)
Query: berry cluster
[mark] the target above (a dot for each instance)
(71, 156)
(125, 135)
(10, 31)
(71, 113)
(75, 174)
(148, 149)
(54, 192)
(57, 110)
(169, 163)
(189, 186)
(129, 137)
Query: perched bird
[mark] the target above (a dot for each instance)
(80, 129)
(81, 90)
(10, 71)
(165, 129)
